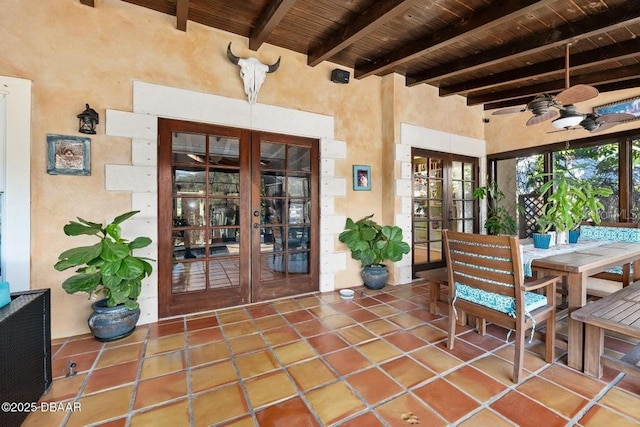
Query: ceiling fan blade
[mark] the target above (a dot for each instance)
(509, 111)
(541, 118)
(604, 126)
(577, 93)
(616, 117)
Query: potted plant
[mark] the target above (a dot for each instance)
(546, 220)
(573, 201)
(371, 244)
(110, 268)
(499, 219)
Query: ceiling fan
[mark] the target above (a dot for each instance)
(546, 106)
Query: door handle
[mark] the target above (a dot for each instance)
(256, 225)
(256, 213)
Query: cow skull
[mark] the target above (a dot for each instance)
(253, 73)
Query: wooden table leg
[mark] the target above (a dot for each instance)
(577, 298)
(593, 349)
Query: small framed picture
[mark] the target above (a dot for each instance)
(68, 155)
(361, 178)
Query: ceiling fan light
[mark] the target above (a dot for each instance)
(567, 121)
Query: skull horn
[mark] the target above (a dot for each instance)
(231, 56)
(273, 67)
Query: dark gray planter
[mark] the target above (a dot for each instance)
(375, 276)
(112, 323)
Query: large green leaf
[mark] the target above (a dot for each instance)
(140, 242)
(78, 256)
(125, 216)
(82, 283)
(112, 251)
(75, 229)
(131, 268)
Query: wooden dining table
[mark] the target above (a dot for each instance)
(576, 267)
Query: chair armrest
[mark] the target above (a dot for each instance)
(540, 282)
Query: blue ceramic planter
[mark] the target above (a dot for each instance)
(541, 241)
(112, 323)
(574, 235)
(375, 276)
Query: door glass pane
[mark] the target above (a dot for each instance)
(299, 158)
(206, 198)
(188, 276)
(428, 209)
(272, 156)
(285, 202)
(299, 186)
(224, 182)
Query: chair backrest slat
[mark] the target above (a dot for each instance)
(490, 263)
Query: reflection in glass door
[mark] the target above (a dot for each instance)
(284, 214)
(236, 223)
(443, 185)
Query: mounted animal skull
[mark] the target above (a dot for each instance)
(253, 73)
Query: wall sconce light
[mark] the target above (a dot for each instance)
(88, 120)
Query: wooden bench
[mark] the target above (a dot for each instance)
(618, 312)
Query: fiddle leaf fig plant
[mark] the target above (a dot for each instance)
(371, 243)
(107, 266)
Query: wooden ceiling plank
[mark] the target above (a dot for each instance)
(614, 52)
(182, 14)
(601, 77)
(273, 15)
(372, 19)
(495, 15)
(88, 2)
(627, 13)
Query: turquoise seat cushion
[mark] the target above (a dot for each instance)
(617, 234)
(499, 302)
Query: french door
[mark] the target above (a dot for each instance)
(443, 186)
(238, 216)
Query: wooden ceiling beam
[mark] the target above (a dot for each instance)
(600, 77)
(182, 14)
(88, 2)
(614, 52)
(272, 16)
(492, 16)
(372, 19)
(627, 13)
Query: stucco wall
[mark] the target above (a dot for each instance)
(76, 54)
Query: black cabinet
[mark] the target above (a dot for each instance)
(25, 352)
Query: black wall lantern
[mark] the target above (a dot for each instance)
(88, 120)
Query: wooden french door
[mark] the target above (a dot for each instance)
(238, 216)
(443, 186)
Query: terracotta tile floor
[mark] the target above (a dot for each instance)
(317, 360)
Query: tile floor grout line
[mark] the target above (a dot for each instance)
(136, 383)
(187, 362)
(594, 401)
(232, 359)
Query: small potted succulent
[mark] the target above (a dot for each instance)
(108, 267)
(371, 244)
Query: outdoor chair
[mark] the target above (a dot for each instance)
(486, 280)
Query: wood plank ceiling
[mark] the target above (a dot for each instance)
(499, 53)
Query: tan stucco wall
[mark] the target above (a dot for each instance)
(76, 54)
